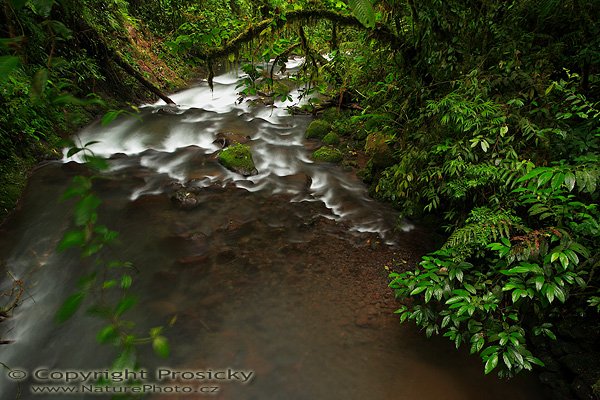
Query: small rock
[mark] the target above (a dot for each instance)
(226, 139)
(185, 199)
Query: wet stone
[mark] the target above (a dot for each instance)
(226, 139)
(185, 199)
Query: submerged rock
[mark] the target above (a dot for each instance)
(185, 199)
(238, 158)
(226, 139)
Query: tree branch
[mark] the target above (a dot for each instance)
(380, 32)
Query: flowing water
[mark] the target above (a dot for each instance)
(279, 274)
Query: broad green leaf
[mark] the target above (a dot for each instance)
(536, 360)
(156, 331)
(107, 334)
(484, 145)
(506, 359)
(539, 282)
(126, 281)
(564, 260)
(42, 7)
(570, 181)
(161, 346)
(69, 307)
(125, 304)
(126, 360)
(79, 186)
(109, 284)
(71, 239)
(533, 173)
(516, 295)
(550, 292)
(557, 180)
(477, 344)
(85, 210)
(491, 363)
(560, 294)
(110, 116)
(95, 162)
(544, 178)
(418, 290)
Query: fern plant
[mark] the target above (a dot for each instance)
(363, 11)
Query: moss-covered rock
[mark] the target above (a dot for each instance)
(329, 154)
(238, 158)
(317, 129)
(331, 138)
(331, 114)
(378, 149)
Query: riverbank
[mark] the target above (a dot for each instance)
(48, 97)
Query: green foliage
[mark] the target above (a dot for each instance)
(108, 279)
(504, 274)
(363, 11)
(469, 111)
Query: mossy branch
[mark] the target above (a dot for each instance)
(285, 53)
(380, 32)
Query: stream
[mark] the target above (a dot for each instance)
(279, 274)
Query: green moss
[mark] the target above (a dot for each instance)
(328, 154)
(331, 138)
(331, 115)
(377, 148)
(317, 129)
(238, 158)
(13, 175)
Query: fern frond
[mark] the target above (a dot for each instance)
(363, 11)
(484, 226)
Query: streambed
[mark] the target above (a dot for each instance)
(280, 273)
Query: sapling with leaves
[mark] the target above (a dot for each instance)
(106, 289)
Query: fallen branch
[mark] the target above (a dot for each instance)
(138, 76)
(93, 40)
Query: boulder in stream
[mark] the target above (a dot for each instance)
(331, 138)
(238, 158)
(317, 129)
(328, 154)
(379, 150)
